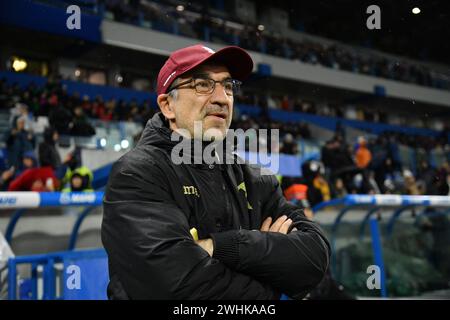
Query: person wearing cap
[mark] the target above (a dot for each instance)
(34, 178)
(199, 230)
(80, 180)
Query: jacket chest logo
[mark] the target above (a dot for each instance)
(243, 188)
(191, 190)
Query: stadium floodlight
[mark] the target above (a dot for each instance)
(124, 144)
(19, 64)
(416, 10)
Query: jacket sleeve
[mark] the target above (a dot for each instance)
(293, 263)
(21, 182)
(149, 246)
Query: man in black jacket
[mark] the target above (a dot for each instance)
(201, 230)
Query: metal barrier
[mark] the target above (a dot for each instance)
(27, 200)
(89, 278)
(71, 275)
(374, 203)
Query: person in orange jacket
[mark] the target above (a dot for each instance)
(363, 156)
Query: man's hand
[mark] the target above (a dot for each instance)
(206, 244)
(7, 174)
(281, 225)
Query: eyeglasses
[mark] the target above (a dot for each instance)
(207, 85)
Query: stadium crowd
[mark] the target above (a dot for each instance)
(367, 167)
(165, 17)
(370, 166)
(25, 164)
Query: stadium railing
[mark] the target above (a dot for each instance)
(393, 248)
(72, 274)
(52, 269)
(69, 275)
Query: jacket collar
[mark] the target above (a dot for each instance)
(157, 133)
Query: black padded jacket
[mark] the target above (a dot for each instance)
(151, 204)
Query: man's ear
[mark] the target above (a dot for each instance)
(165, 103)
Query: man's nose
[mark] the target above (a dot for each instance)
(219, 95)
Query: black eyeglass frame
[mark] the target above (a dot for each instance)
(236, 84)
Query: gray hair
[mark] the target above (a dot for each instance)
(174, 93)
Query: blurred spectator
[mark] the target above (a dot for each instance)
(86, 106)
(98, 107)
(19, 141)
(339, 189)
(21, 111)
(134, 115)
(387, 176)
(272, 103)
(362, 154)
(321, 184)
(121, 110)
(5, 177)
(80, 125)
(297, 193)
(105, 111)
(289, 145)
(443, 180)
(70, 164)
(379, 151)
(29, 161)
(286, 104)
(410, 184)
(80, 180)
(38, 179)
(60, 118)
(318, 187)
(48, 155)
(304, 131)
(428, 176)
(337, 158)
(335, 154)
(446, 186)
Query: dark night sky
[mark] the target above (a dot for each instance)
(425, 36)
